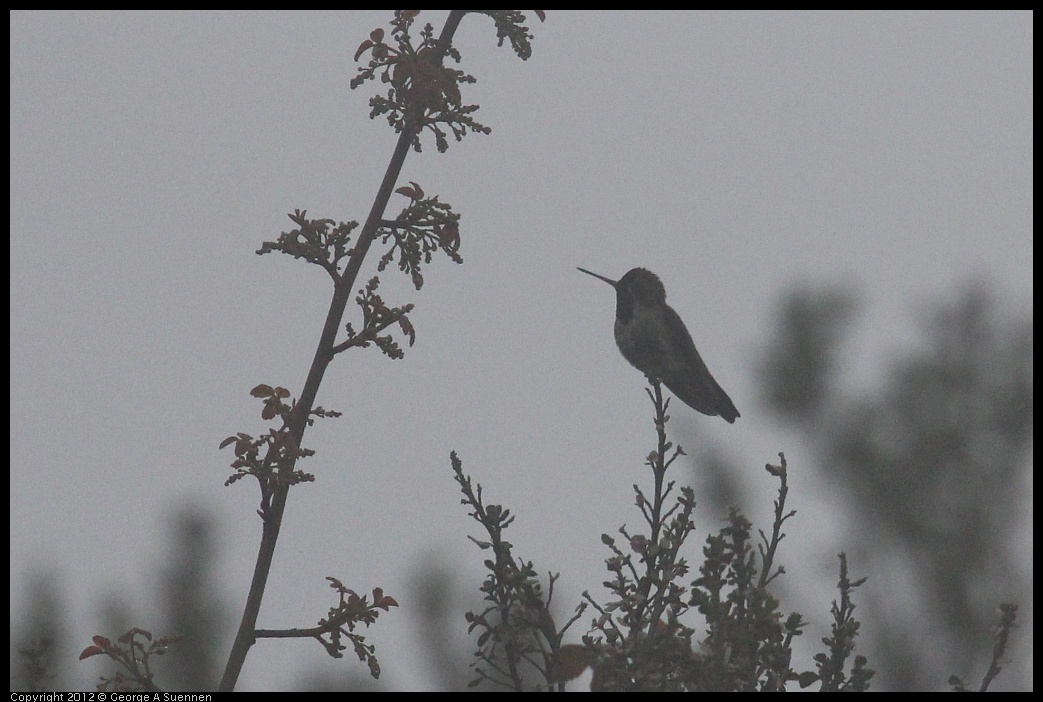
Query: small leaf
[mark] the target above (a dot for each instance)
(363, 47)
(383, 601)
(573, 659)
(377, 35)
(91, 651)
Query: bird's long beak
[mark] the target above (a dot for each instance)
(601, 277)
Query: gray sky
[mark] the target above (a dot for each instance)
(734, 154)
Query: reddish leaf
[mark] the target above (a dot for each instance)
(90, 651)
(363, 47)
(385, 603)
(381, 600)
(262, 390)
(377, 35)
(573, 659)
(268, 412)
(541, 14)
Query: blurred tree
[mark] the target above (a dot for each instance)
(40, 657)
(191, 608)
(37, 640)
(798, 372)
(932, 464)
(441, 604)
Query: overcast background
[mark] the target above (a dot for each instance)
(733, 154)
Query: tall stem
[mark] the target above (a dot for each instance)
(245, 638)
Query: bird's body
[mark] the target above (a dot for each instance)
(652, 337)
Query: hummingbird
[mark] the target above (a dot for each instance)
(652, 337)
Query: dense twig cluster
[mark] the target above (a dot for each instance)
(645, 636)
